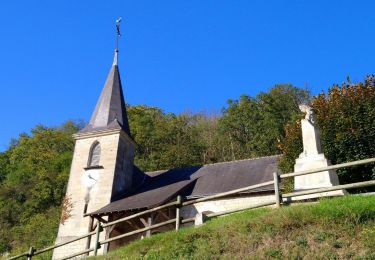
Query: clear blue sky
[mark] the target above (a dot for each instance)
(177, 55)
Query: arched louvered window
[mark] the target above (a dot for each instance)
(94, 157)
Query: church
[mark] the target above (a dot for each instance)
(105, 184)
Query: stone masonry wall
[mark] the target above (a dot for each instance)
(100, 193)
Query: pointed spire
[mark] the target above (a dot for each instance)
(110, 110)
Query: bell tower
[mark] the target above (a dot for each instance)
(102, 166)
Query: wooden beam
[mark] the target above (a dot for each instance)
(137, 231)
(144, 222)
(94, 226)
(154, 215)
(178, 213)
(227, 193)
(133, 224)
(328, 168)
(164, 214)
(108, 231)
(149, 224)
(89, 229)
(333, 188)
(276, 179)
(97, 237)
(101, 219)
(140, 213)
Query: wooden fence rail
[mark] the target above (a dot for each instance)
(140, 214)
(225, 194)
(19, 256)
(78, 253)
(63, 243)
(178, 220)
(333, 188)
(331, 167)
(138, 231)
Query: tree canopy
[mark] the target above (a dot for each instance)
(255, 126)
(34, 173)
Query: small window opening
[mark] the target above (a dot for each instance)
(94, 158)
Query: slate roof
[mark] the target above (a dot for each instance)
(158, 187)
(110, 110)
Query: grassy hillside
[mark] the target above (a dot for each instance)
(342, 228)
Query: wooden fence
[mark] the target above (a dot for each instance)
(178, 220)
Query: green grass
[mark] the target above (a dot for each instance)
(341, 228)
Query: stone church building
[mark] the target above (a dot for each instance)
(105, 184)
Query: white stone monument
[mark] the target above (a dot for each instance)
(313, 157)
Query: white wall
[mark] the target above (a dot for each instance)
(224, 205)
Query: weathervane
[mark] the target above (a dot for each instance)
(118, 34)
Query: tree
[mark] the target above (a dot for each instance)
(164, 140)
(254, 126)
(4, 162)
(36, 173)
(213, 145)
(146, 124)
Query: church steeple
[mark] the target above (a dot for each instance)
(110, 111)
(102, 165)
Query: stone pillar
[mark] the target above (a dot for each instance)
(313, 157)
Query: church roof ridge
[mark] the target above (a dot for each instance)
(214, 164)
(241, 160)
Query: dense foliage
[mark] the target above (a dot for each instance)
(346, 118)
(255, 126)
(248, 127)
(165, 140)
(34, 171)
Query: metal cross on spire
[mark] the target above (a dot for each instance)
(118, 33)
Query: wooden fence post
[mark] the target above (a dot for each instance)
(30, 253)
(149, 224)
(178, 213)
(97, 245)
(276, 179)
(88, 242)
